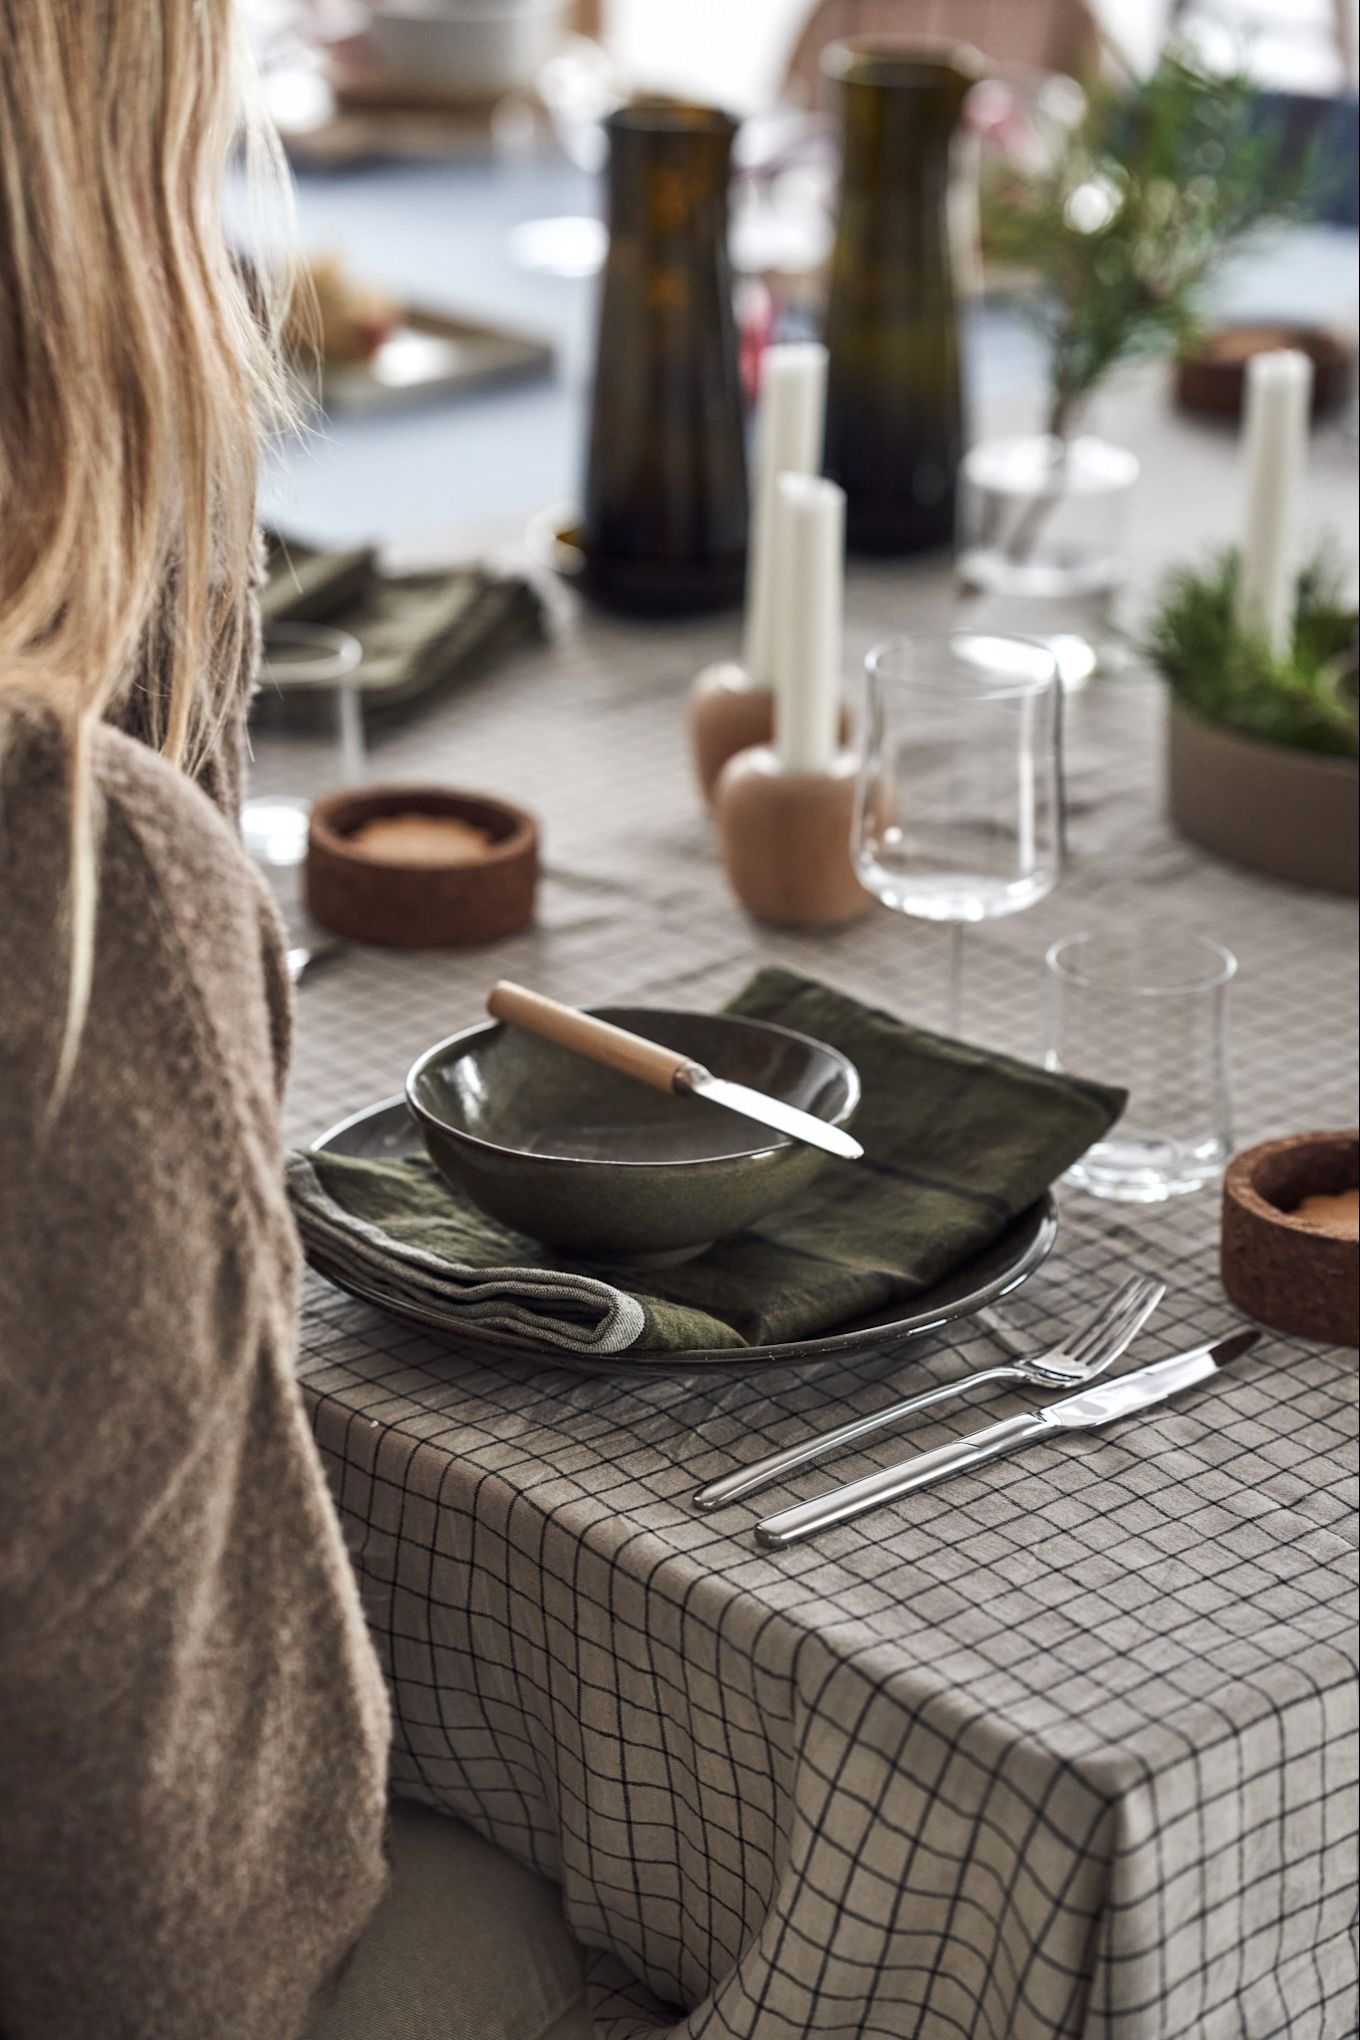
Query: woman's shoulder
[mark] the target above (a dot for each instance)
(182, 927)
(138, 797)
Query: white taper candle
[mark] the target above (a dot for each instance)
(1279, 393)
(810, 540)
(789, 426)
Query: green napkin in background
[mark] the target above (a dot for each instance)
(958, 1142)
(304, 584)
(418, 631)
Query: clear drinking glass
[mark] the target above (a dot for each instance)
(959, 806)
(1147, 1008)
(306, 658)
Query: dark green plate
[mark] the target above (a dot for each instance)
(387, 1131)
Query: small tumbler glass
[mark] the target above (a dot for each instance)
(1147, 1008)
(305, 658)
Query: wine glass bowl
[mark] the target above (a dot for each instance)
(958, 815)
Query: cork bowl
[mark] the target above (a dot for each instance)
(1212, 377)
(421, 905)
(1278, 1264)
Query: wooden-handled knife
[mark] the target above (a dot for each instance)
(664, 1068)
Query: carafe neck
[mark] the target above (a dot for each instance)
(900, 107)
(669, 171)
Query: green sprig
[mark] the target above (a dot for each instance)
(1138, 206)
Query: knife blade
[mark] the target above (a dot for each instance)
(1102, 1403)
(790, 1119)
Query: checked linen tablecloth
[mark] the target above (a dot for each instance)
(1065, 1747)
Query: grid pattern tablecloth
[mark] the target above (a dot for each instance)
(1064, 1747)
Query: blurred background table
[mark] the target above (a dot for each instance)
(440, 235)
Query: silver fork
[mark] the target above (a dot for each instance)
(1076, 1359)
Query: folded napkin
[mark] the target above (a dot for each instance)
(958, 1142)
(303, 584)
(418, 631)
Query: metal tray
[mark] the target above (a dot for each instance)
(432, 354)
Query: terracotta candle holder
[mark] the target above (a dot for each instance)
(728, 712)
(786, 811)
(786, 840)
(1289, 1253)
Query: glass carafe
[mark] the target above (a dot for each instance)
(894, 427)
(664, 516)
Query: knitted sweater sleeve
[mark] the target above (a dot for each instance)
(192, 1724)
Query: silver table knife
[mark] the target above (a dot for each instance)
(664, 1068)
(790, 1119)
(1073, 1361)
(1102, 1403)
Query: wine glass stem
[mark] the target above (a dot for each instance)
(954, 1006)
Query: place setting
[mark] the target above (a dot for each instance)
(737, 1250)
(799, 1177)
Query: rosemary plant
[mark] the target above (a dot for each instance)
(1131, 213)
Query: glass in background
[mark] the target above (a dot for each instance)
(1147, 1008)
(959, 809)
(314, 660)
(291, 41)
(1044, 528)
(579, 86)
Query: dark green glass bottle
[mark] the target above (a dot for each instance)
(663, 527)
(894, 411)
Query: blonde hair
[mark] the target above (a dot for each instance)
(135, 361)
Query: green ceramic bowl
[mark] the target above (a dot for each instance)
(582, 1158)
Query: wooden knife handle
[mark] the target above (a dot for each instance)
(602, 1042)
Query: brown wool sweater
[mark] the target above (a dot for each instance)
(193, 1729)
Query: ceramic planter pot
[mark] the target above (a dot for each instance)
(1290, 813)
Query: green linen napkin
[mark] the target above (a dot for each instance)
(418, 631)
(303, 584)
(958, 1142)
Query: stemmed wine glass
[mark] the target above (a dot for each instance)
(958, 812)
